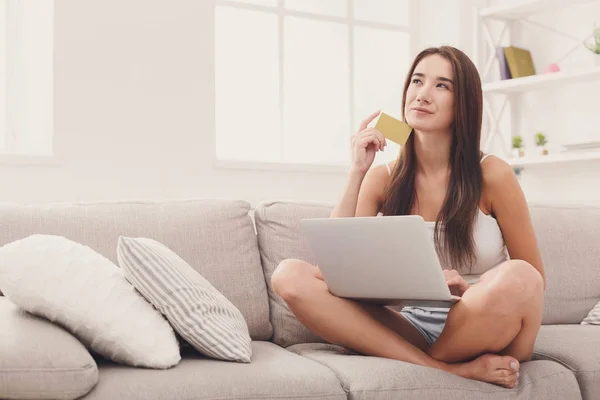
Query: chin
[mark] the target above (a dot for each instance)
(426, 126)
(420, 125)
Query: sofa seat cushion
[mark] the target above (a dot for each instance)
(577, 347)
(379, 378)
(274, 373)
(41, 360)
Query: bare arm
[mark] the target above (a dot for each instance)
(362, 195)
(346, 207)
(365, 143)
(510, 208)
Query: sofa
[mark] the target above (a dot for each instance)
(236, 248)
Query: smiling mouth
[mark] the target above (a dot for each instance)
(421, 110)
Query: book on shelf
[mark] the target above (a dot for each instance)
(504, 70)
(514, 62)
(519, 62)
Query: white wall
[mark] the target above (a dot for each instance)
(134, 110)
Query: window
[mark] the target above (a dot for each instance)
(294, 78)
(26, 77)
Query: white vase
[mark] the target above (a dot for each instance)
(518, 153)
(541, 151)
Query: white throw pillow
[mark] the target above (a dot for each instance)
(81, 290)
(201, 314)
(593, 317)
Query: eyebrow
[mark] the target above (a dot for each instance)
(439, 78)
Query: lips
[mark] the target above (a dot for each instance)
(421, 109)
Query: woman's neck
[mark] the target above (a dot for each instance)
(433, 152)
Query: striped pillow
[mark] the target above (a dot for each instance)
(593, 317)
(201, 314)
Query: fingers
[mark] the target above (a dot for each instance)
(373, 136)
(368, 120)
(376, 140)
(448, 273)
(454, 281)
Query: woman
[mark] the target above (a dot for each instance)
(487, 234)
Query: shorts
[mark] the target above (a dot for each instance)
(430, 322)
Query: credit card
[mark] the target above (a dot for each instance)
(393, 129)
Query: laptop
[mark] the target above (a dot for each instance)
(386, 260)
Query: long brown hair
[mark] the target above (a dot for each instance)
(459, 208)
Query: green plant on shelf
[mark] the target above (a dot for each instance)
(541, 141)
(593, 45)
(517, 145)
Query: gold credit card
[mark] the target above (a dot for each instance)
(393, 129)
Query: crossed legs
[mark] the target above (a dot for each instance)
(486, 335)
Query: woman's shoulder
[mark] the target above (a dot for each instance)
(497, 175)
(495, 169)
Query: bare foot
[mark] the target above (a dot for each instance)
(491, 368)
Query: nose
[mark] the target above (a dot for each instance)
(423, 94)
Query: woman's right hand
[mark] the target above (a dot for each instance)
(365, 143)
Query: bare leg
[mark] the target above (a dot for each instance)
(352, 325)
(500, 314)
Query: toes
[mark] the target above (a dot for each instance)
(507, 378)
(512, 380)
(501, 362)
(507, 362)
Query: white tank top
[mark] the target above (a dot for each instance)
(490, 249)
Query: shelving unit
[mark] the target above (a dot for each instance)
(509, 91)
(542, 81)
(555, 158)
(525, 8)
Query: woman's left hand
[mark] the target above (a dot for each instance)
(458, 286)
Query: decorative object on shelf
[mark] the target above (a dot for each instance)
(552, 68)
(582, 147)
(517, 145)
(540, 142)
(593, 45)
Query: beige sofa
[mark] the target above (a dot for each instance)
(237, 249)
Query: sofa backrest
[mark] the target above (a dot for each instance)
(216, 237)
(568, 238)
(279, 237)
(569, 241)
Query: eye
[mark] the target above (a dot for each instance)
(443, 85)
(416, 80)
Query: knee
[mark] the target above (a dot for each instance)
(521, 279)
(516, 282)
(288, 278)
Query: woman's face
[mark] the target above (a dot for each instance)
(430, 95)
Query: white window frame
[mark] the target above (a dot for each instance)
(9, 89)
(411, 29)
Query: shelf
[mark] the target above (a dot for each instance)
(542, 81)
(554, 158)
(526, 8)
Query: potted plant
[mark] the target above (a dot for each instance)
(593, 45)
(541, 141)
(517, 145)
